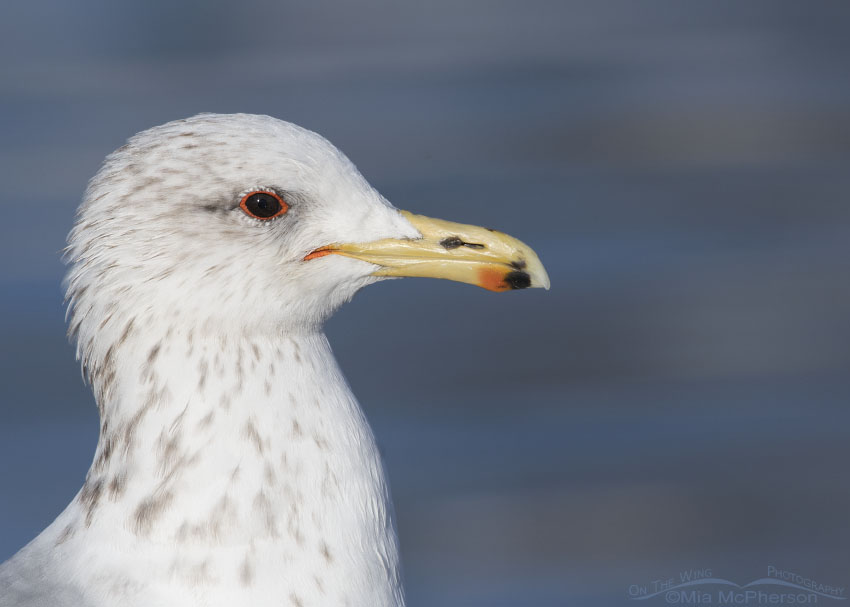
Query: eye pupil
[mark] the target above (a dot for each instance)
(263, 205)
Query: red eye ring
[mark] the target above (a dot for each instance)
(263, 205)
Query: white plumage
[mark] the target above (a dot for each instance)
(234, 466)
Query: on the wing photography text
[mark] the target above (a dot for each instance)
(702, 587)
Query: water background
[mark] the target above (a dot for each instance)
(678, 400)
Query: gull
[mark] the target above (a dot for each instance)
(234, 465)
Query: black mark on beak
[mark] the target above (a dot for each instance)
(518, 280)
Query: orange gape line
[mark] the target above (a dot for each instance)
(492, 280)
(321, 252)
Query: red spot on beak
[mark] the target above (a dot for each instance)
(492, 280)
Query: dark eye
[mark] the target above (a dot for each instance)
(263, 205)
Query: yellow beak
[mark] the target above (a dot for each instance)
(454, 251)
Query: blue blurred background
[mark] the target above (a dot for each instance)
(677, 400)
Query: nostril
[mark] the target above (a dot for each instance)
(453, 242)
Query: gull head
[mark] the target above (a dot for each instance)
(234, 466)
(244, 223)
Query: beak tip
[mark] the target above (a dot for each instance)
(539, 276)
